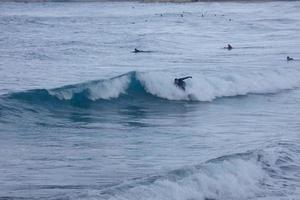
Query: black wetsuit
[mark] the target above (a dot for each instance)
(179, 82)
(140, 51)
(229, 47)
(137, 51)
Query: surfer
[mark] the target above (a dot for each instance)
(229, 47)
(289, 58)
(179, 82)
(140, 51)
(137, 51)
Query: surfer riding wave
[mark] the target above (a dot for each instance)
(179, 82)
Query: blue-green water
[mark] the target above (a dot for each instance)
(82, 117)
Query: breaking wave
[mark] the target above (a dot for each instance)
(153, 85)
(258, 174)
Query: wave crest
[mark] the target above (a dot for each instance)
(104, 89)
(149, 85)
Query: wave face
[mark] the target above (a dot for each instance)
(258, 174)
(153, 85)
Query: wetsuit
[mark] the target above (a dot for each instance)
(229, 47)
(179, 82)
(137, 51)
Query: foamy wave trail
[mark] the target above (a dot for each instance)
(149, 85)
(258, 174)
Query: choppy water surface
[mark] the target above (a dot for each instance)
(82, 117)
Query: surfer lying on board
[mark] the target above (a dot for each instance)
(179, 82)
(140, 51)
(137, 51)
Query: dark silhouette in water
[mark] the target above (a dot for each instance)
(137, 51)
(140, 51)
(179, 82)
(289, 58)
(229, 47)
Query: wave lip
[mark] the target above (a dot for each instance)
(94, 90)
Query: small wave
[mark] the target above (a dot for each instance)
(251, 175)
(159, 85)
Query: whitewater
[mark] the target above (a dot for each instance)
(83, 117)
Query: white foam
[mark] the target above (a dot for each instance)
(229, 179)
(109, 89)
(106, 89)
(211, 86)
(161, 85)
(202, 87)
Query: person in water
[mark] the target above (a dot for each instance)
(229, 47)
(140, 51)
(289, 58)
(137, 51)
(179, 82)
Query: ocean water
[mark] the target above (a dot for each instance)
(82, 117)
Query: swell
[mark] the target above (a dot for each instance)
(135, 87)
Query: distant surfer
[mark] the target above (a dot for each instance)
(137, 51)
(140, 51)
(229, 47)
(289, 58)
(179, 82)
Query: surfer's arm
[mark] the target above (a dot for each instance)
(181, 79)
